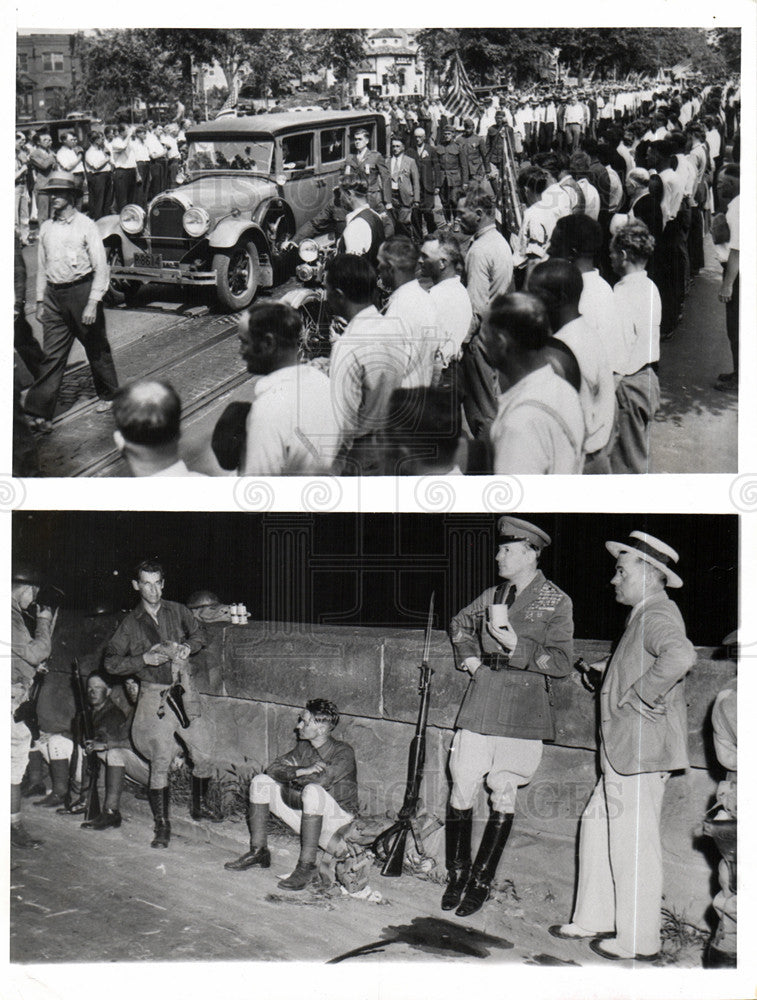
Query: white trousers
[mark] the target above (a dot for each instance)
(620, 859)
(316, 801)
(506, 762)
(21, 740)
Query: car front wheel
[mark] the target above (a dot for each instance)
(237, 275)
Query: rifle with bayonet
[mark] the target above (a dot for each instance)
(389, 846)
(91, 768)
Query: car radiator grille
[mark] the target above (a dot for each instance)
(165, 219)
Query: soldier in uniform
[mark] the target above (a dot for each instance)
(453, 162)
(474, 147)
(512, 640)
(371, 166)
(152, 641)
(28, 656)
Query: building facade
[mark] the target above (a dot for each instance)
(47, 66)
(392, 65)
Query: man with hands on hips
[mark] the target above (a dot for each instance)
(512, 639)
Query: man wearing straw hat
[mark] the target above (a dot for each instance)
(643, 737)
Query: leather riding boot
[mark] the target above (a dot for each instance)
(115, 778)
(200, 808)
(457, 837)
(59, 775)
(306, 870)
(34, 779)
(20, 837)
(256, 857)
(159, 805)
(490, 850)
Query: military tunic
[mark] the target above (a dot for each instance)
(514, 700)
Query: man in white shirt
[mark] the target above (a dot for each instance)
(142, 156)
(639, 307)
(124, 167)
(489, 271)
(367, 363)
(157, 153)
(442, 262)
(412, 306)
(539, 426)
(99, 176)
(147, 414)
(291, 427)
(363, 231)
(575, 124)
(559, 285)
(70, 159)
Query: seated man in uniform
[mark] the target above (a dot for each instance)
(312, 788)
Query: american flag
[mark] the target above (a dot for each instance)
(456, 91)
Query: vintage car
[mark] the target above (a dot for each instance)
(252, 182)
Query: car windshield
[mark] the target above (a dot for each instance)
(231, 154)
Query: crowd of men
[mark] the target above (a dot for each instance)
(515, 640)
(456, 349)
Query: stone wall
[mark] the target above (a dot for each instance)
(253, 679)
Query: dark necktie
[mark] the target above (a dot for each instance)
(510, 599)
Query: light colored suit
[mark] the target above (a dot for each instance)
(620, 853)
(408, 190)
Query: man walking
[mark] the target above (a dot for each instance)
(430, 177)
(312, 788)
(404, 187)
(511, 640)
(153, 643)
(643, 731)
(72, 277)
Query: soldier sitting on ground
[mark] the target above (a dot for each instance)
(312, 788)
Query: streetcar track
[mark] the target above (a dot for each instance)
(165, 366)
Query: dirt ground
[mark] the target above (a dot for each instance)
(107, 896)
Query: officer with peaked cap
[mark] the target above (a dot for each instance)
(643, 737)
(512, 640)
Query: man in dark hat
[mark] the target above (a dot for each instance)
(72, 277)
(474, 147)
(511, 640)
(643, 729)
(28, 656)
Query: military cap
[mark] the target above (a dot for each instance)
(25, 572)
(513, 529)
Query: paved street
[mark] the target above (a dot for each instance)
(109, 896)
(695, 429)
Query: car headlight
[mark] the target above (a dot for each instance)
(132, 219)
(196, 222)
(308, 251)
(304, 272)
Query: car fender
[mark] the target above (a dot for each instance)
(279, 205)
(298, 296)
(231, 231)
(110, 225)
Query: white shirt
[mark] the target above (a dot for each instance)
(155, 147)
(625, 152)
(291, 427)
(672, 194)
(597, 392)
(638, 305)
(123, 153)
(713, 141)
(536, 228)
(616, 188)
(367, 364)
(141, 152)
(539, 427)
(171, 145)
(357, 234)
(69, 161)
(591, 196)
(488, 267)
(412, 306)
(97, 161)
(177, 469)
(597, 306)
(723, 250)
(454, 314)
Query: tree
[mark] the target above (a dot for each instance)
(118, 69)
(342, 49)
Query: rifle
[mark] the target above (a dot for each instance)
(27, 710)
(84, 712)
(390, 845)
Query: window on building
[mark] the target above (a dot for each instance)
(332, 145)
(52, 62)
(22, 62)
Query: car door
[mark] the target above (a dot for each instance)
(305, 192)
(333, 151)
